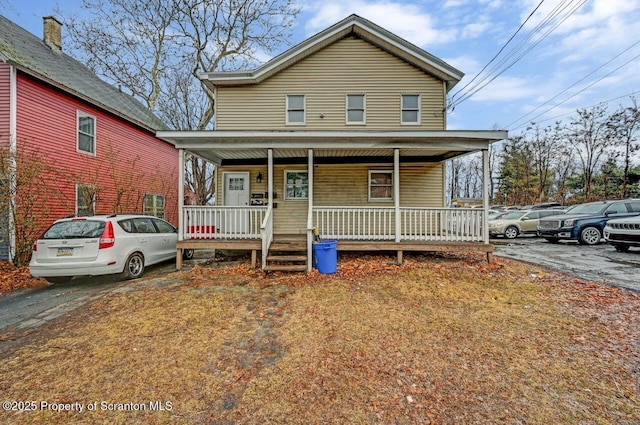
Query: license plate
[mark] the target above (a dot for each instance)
(64, 252)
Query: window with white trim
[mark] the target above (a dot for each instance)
(356, 109)
(410, 113)
(380, 185)
(295, 109)
(85, 200)
(296, 184)
(86, 133)
(153, 204)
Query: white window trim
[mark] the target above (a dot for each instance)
(80, 114)
(402, 109)
(155, 196)
(364, 110)
(304, 110)
(286, 184)
(386, 171)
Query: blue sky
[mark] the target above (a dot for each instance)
(576, 60)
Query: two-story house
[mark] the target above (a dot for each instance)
(71, 143)
(343, 135)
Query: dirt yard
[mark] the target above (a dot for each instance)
(439, 340)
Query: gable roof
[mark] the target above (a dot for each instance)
(32, 56)
(353, 25)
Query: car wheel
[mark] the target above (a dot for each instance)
(553, 240)
(134, 267)
(621, 248)
(58, 279)
(590, 236)
(511, 232)
(187, 254)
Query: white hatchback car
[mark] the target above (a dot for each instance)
(99, 245)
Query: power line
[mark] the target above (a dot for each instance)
(558, 15)
(587, 87)
(590, 106)
(572, 85)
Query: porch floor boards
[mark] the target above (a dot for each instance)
(297, 243)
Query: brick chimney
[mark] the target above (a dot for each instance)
(52, 29)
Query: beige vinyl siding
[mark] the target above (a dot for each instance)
(350, 66)
(290, 217)
(253, 186)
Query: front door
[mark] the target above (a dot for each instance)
(236, 194)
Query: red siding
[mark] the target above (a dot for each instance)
(127, 157)
(4, 104)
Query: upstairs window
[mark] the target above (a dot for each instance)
(380, 185)
(356, 109)
(86, 133)
(295, 109)
(410, 114)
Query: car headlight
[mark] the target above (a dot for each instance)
(569, 222)
(497, 224)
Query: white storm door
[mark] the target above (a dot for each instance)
(236, 194)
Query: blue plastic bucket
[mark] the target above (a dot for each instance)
(326, 256)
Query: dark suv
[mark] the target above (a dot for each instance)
(585, 222)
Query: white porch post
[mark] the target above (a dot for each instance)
(310, 213)
(13, 153)
(485, 195)
(396, 190)
(270, 176)
(181, 167)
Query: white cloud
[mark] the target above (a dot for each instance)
(406, 20)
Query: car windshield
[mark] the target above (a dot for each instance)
(74, 229)
(588, 208)
(513, 215)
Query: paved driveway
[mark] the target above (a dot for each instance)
(598, 263)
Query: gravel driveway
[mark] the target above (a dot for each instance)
(597, 263)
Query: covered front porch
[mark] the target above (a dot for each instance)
(277, 228)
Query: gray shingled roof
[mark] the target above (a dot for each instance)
(31, 55)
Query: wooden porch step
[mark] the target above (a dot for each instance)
(289, 246)
(286, 268)
(287, 258)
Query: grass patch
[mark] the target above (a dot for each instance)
(437, 340)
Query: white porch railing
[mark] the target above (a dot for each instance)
(266, 234)
(441, 224)
(416, 224)
(211, 222)
(355, 223)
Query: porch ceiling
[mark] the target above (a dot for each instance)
(222, 146)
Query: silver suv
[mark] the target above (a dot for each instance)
(99, 245)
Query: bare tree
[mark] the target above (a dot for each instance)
(157, 48)
(591, 136)
(625, 124)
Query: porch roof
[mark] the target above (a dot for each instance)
(220, 146)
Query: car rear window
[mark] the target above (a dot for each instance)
(74, 229)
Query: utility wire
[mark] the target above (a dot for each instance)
(572, 85)
(558, 15)
(590, 106)
(585, 88)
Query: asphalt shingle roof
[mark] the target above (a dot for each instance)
(30, 54)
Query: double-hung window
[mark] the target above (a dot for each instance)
(153, 204)
(296, 184)
(86, 133)
(85, 200)
(410, 113)
(356, 109)
(380, 185)
(295, 109)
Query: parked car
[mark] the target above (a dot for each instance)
(543, 206)
(585, 222)
(514, 223)
(493, 214)
(623, 233)
(100, 245)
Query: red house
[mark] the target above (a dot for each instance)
(71, 143)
